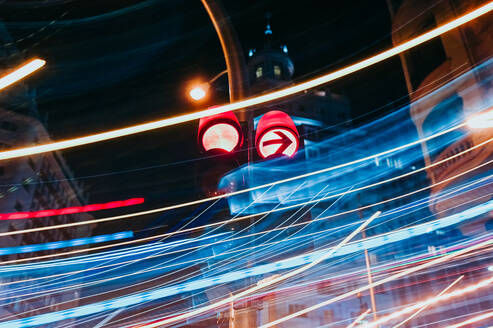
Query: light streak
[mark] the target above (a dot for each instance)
(482, 120)
(157, 294)
(199, 201)
(359, 318)
(220, 223)
(112, 256)
(71, 210)
(215, 279)
(472, 320)
(422, 308)
(380, 282)
(290, 262)
(66, 243)
(139, 128)
(268, 283)
(395, 236)
(21, 72)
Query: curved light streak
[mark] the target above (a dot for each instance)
(359, 319)
(472, 320)
(71, 210)
(21, 72)
(145, 296)
(247, 216)
(112, 134)
(261, 269)
(378, 283)
(411, 193)
(199, 201)
(425, 306)
(66, 243)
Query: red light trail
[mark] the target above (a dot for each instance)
(71, 210)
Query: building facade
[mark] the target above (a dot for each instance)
(464, 49)
(32, 183)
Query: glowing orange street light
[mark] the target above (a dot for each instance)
(199, 91)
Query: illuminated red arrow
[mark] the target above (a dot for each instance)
(284, 142)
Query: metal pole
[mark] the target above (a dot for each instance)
(370, 281)
(368, 269)
(235, 63)
(238, 86)
(232, 51)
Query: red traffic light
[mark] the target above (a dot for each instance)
(221, 131)
(276, 135)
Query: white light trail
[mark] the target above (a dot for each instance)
(380, 282)
(167, 208)
(359, 318)
(433, 300)
(139, 128)
(227, 221)
(472, 320)
(424, 307)
(21, 72)
(263, 285)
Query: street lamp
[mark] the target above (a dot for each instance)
(482, 120)
(199, 91)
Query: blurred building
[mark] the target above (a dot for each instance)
(32, 183)
(434, 63)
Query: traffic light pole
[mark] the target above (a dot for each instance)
(238, 86)
(235, 63)
(232, 51)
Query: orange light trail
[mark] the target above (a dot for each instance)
(297, 88)
(21, 72)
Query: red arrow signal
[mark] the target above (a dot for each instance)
(284, 142)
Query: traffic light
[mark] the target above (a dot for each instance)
(220, 132)
(276, 135)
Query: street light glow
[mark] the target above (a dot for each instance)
(198, 93)
(21, 72)
(257, 100)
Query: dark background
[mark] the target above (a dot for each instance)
(115, 63)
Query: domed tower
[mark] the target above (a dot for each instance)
(270, 67)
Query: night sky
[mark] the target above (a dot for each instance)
(114, 63)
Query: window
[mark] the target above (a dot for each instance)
(259, 72)
(427, 57)
(277, 71)
(6, 125)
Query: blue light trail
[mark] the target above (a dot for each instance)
(66, 243)
(293, 262)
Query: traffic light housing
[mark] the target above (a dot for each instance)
(220, 132)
